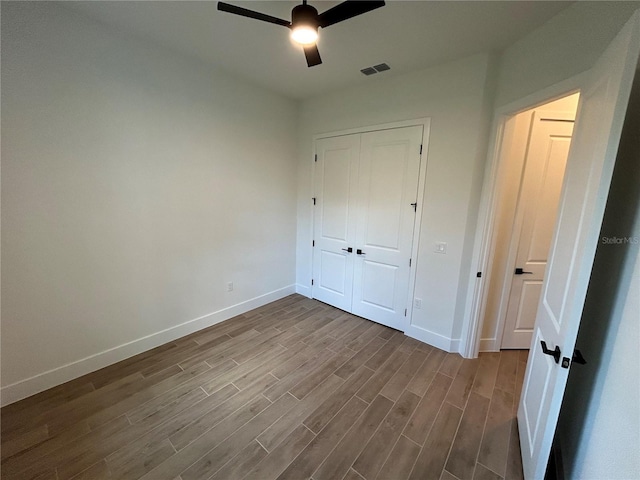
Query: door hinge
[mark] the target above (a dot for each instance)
(479, 275)
(405, 312)
(315, 157)
(420, 149)
(313, 243)
(314, 200)
(312, 281)
(409, 262)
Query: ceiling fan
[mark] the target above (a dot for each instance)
(305, 21)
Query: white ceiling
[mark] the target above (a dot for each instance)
(408, 35)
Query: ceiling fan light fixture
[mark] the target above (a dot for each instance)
(304, 35)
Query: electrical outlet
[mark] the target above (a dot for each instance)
(417, 303)
(441, 247)
(230, 287)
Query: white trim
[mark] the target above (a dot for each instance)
(43, 381)
(425, 123)
(484, 237)
(434, 339)
(489, 345)
(303, 290)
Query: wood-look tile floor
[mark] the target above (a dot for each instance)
(293, 390)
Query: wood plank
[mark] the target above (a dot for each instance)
(506, 378)
(242, 463)
(125, 463)
(337, 464)
(495, 441)
(425, 374)
(487, 371)
(397, 383)
(483, 473)
(312, 456)
(352, 475)
(451, 364)
(321, 416)
(302, 373)
(17, 444)
(425, 415)
(433, 456)
(279, 458)
(360, 358)
(206, 442)
(303, 388)
(216, 458)
(277, 432)
(386, 351)
(400, 462)
(379, 379)
(98, 471)
(130, 403)
(514, 458)
(374, 454)
(138, 452)
(462, 459)
(221, 412)
(462, 384)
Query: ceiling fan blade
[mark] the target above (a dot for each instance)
(226, 7)
(312, 55)
(345, 10)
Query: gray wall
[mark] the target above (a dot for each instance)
(135, 184)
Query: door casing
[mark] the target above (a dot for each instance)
(482, 256)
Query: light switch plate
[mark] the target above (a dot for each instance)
(441, 247)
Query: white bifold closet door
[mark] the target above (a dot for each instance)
(366, 188)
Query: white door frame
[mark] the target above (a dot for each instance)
(425, 123)
(483, 250)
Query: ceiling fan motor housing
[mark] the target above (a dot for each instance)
(304, 15)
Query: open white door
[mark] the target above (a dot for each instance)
(587, 180)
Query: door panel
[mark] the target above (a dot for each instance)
(334, 193)
(389, 166)
(587, 180)
(379, 281)
(536, 212)
(335, 186)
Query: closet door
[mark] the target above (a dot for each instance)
(336, 181)
(387, 188)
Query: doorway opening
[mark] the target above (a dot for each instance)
(533, 154)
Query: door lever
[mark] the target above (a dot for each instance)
(555, 353)
(578, 358)
(360, 252)
(348, 249)
(520, 271)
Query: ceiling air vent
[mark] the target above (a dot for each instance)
(381, 67)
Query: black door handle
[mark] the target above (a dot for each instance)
(554, 353)
(578, 358)
(520, 271)
(348, 249)
(360, 252)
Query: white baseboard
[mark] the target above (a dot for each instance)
(433, 339)
(489, 345)
(51, 378)
(303, 290)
